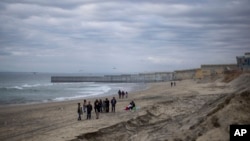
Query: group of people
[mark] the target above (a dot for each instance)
(173, 84)
(100, 106)
(122, 94)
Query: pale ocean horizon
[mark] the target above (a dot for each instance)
(28, 88)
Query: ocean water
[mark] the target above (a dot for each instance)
(26, 88)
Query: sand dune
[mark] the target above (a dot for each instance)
(198, 115)
(189, 111)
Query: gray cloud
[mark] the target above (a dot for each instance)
(133, 36)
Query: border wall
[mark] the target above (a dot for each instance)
(125, 78)
(217, 70)
(206, 71)
(185, 74)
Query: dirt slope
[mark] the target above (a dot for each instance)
(193, 116)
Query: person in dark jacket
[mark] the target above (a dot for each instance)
(96, 104)
(84, 105)
(113, 102)
(89, 110)
(79, 111)
(132, 103)
(119, 93)
(100, 104)
(123, 94)
(97, 109)
(107, 105)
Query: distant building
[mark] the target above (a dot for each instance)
(243, 62)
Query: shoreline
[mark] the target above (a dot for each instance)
(65, 102)
(171, 111)
(18, 120)
(104, 95)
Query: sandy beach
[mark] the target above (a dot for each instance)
(192, 110)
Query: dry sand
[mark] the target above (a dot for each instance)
(189, 111)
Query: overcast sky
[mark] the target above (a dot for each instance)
(95, 36)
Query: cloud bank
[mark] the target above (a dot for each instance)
(132, 36)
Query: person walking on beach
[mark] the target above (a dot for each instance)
(89, 110)
(113, 103)
(84, 106)
(126, 94)
(119, 93)
(79, 111)
(171, 84)
(107, 105)
(174, 83)
(123, 94)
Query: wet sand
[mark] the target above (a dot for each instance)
(188, 111)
